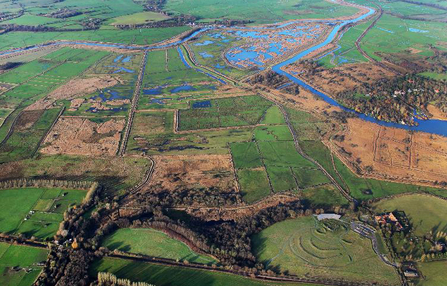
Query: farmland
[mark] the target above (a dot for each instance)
(433, 273)
(255, 10)
(162, 275)
(21, 257)
(228, 112)
(305, 246)
(153, 243)
(35, 212)
(208, 142)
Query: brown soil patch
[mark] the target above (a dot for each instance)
(394, 154)
(80, 136)
(342, 78)
(414, 51)
(436, 112)
(182, 172)
(27, 119)
(75, 88)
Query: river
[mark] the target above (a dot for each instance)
(430, 126)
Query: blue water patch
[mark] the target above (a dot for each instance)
(160, 101)
(182, 88)
(115, 109)
(276, 48)
(121, 69)
(242, 54)
(217, 36)
(414, 30)
(117, 59)
(204, 43)
(153, 91)
(108, 95)
(206, 55)
(127, 59)
(183, 58)
(251, 34)
(284, 85)
(385, 30)
(201, 104)
(219, 66)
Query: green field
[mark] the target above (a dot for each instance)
(434, 273)
(139, 18)
(23, 143)
(35, 212)
(225, 112)
(260, 12)
(175, 276)
(138, 37)
(245, 155)
(254, 184)
(22, 257)
(305, 246)
(116, 174)
(426, 213)
(155, 243)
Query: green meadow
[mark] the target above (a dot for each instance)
(35, 211)
(18, 264)
(305, 246)
(155, 243)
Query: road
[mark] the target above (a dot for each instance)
(135, 99)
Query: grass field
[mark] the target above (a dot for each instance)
(35, 212)
(167, 68)
(434, 273)
(254, 184)
(116, 174)
(305, 246)
(155, 243)
(23, 143)
(22, 257)
(426, 213)
(256, 10)
(175, 276)
(139, 18)
(138, 36)
(224, 112)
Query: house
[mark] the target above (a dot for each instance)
(388, 218)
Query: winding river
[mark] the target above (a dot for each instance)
(430, 126)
